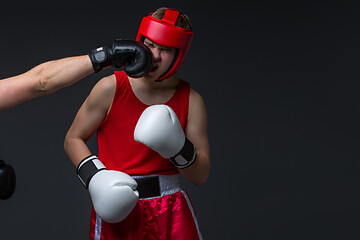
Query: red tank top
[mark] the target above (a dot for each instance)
(117, 148)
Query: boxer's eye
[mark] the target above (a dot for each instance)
(149, 44)
(166, 49)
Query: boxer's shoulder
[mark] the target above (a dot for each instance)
(195, 98)
(103, 92)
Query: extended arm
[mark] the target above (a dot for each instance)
(43, 79)
(51, 76)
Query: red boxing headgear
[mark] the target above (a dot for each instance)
(164, 32)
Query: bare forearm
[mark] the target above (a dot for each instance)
(54, 75)
(199, 171)
(43, 79)
(76, 149)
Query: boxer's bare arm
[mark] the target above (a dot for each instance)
(196, 132)
(88, 119)
(43, 79)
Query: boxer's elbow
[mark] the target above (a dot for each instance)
(44, 81)
(198, 172)
(69, 143)
(202, 178)
(40, 83)
(199, 181)
(43, 84)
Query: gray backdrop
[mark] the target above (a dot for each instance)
(281, 84)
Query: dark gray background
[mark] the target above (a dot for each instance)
(281, 85)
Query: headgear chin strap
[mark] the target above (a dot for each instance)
(164, 32)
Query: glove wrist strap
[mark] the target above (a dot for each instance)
(87, 168)
(99, 58)
(186, 156)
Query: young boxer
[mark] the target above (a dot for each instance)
(149, 130)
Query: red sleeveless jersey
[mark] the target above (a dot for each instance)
(117, 148)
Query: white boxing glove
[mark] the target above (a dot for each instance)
(159, 128)
(113, 193)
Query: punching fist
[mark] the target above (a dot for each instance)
(159, 128)
(7, 180)
(134, 56)
(112, 193)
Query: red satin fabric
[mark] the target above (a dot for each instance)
(164, 218)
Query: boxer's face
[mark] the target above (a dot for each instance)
(162, 58)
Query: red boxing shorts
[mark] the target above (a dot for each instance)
(169, 216)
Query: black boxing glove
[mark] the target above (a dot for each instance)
(134, 56)
(7, 180)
